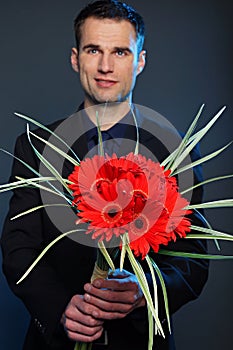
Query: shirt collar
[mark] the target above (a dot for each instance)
(117, 131)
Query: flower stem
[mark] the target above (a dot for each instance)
(83, 346)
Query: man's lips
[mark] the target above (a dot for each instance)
(105, 83)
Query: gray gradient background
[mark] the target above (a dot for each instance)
(190, 55)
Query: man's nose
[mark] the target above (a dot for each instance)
(106, 63)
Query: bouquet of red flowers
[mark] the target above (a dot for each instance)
(129, 195)
(132, 206)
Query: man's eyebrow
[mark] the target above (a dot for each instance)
(116, 48)
(122, 48)
(91, 46)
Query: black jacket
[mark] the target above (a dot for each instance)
(68, 265)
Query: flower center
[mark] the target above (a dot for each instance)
(140, 225)
(112, 213)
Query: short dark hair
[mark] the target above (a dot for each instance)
(111, 9)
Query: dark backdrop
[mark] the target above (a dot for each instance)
(189, 62)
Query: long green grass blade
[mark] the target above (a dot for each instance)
(28, 183)
(22, 182)
(40, 179)
(31, 169)
(49, 246)
(206, 236)
(221, 203)
(194, 140)
(195, 256)
(122, 256)
(208, 125)
(31, 210)
(155, 287)
(145, 289)
(164, 290)
(106, 255)
(101, 260)
(100, 139)
(48, 165)
(48, 130)
(213, 179)
(136, 150)
(209, 231)
(150, 329)
(201, 160)
(44, 188)
(13, 185)
(174, 155)
(11, 188)
(207, 224)
(139, 273)
(21, 161)
(41, 187)
(56, 149)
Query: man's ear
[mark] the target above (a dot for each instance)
(74, 59)
(141, 61)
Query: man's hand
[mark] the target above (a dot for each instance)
(114, 297)
(78, 321)
(107, 299)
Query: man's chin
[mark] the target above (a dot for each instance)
(101, 100)
(111, 100)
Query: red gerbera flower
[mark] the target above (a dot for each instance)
(129, 194)
(160, 222)
(104, 191)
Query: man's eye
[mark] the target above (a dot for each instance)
(93, 51)
(120, 53)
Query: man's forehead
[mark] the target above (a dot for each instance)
(107, 30)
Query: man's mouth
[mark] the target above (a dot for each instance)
(105, 83)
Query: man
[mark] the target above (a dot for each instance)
(65, 307)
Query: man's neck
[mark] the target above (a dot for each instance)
(108, 114)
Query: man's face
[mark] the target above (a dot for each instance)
(107, 60)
